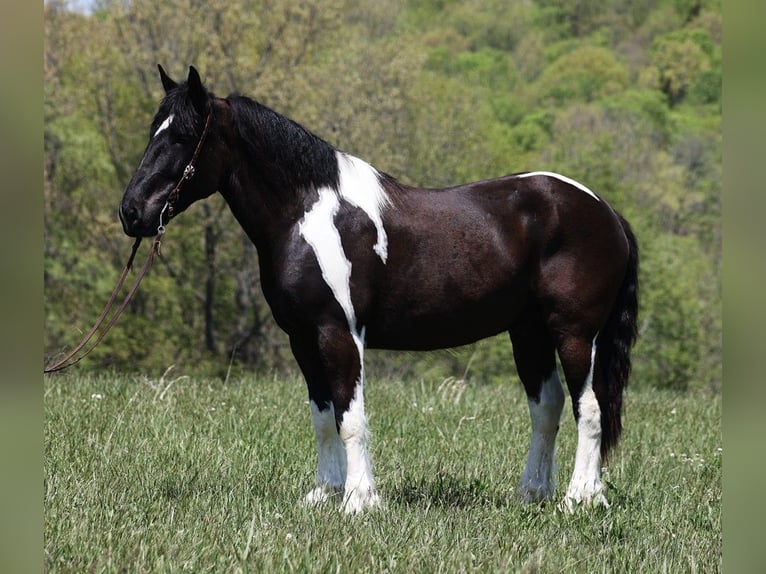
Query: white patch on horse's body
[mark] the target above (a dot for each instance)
(319, 230)
(331, 456)
(586, 485)
(360, 186)
(538, 480)
(164, 125)
(563, 178)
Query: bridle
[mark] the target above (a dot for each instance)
(169, 207)
(170, 202)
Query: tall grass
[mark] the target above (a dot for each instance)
(185, 474)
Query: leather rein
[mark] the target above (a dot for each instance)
(170, 204)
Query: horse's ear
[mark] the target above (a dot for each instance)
(167, 82)
(197, 91)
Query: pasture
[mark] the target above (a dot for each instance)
(182, 474)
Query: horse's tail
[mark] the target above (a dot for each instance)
(614, 343)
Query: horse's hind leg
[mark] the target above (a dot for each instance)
(582, 373)
(534, 353)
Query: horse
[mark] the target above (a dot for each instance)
(351, 258)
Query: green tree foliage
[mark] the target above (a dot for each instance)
(687, 66)
(624, 96)
(680, 315)
(583, 75)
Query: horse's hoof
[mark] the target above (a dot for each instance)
(357, 501)
(573, 500)
(536, 492)
(321, 495)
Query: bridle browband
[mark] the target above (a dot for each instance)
(170, 204)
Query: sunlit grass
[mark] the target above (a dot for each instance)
(187, 474)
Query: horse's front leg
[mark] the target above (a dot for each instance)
(331, 455)
(332, 363)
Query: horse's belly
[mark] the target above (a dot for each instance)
(427, 340)
(439, 328)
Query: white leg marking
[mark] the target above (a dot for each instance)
(319, 230)
(164, 125)
(586, 486)
(538, 480)
(563, 178)
(360, 490)
(331, 463)
(360, 186)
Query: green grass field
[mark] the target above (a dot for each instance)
(180, 474)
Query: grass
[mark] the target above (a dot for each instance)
(194, 475)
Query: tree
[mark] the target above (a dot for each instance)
(106, 65)
(685, 62)
(623, 96)
(676, 321)
(584, 74)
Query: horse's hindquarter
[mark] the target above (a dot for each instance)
(458, 267)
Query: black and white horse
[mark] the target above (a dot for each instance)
(351, 258)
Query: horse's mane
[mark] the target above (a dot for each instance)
(289, 157)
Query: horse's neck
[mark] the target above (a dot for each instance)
(277, 163)
(264, 213)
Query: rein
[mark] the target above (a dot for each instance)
(70, 359)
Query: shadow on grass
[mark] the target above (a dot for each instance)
(449, 491)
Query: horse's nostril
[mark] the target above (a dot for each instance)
(129, 216)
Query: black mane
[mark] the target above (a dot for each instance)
(288, 156)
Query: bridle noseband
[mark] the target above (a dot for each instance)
(169, 207)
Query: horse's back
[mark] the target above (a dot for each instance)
(464, 261)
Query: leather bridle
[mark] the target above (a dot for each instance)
(188, 173)
(169, 207)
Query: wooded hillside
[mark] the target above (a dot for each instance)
(622, 95)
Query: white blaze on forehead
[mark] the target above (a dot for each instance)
(164, 125)
(563, 178)
(319, 230)
(360, 186)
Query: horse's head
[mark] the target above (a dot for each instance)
(184, 133)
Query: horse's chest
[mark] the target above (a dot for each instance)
(326, 268)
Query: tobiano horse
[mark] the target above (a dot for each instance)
(350, 258)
